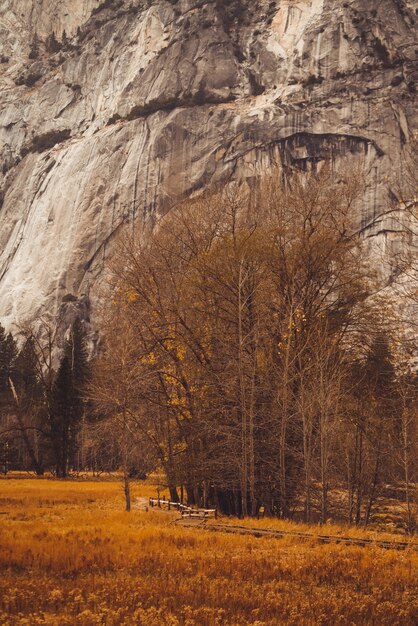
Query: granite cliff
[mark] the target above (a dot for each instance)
(112, 111)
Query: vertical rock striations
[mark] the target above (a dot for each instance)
(112, 111)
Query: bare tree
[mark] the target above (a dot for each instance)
(240, 315)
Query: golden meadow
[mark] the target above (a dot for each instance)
(71, 556)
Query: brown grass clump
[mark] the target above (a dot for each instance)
(69, 557)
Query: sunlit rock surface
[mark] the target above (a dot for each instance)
(111, 112)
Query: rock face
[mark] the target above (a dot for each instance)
(112, 111)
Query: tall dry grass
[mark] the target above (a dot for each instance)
(70, 557)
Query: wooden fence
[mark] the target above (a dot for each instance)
(186, 511)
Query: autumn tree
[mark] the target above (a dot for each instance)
(243, 310)
(116, 385)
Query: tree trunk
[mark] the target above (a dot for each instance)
(30, 449)
(127, 491)
(125, 453)
(359, 479)
(372, 494)
(243, 403)
(406, 443)
(284, 509)
(324, 472)
(174, 496)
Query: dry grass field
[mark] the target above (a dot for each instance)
(70, 556)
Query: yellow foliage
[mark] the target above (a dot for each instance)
(149, 359)
(132, 296)
(181, 352)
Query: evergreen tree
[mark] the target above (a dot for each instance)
(30, 411)
(77, 347)
(375, 393)
(63, 418)
(380, 371)
(7, 360)
(26, 378)
(52, 44)
(34, 48)
(8, 353)
(67, 407)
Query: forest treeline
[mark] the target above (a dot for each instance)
(42, 407)
(248, 353)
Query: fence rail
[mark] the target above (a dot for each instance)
(186, 511)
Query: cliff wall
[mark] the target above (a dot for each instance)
(112, 111)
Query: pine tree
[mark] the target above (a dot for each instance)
(63, 417)
(8, 353)
(380, 370)
(67, 399)
(52, 44)
(30, 411)
(77, 347)
(26, 378)
(34, 48)
(7, 360)
(376, 397)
